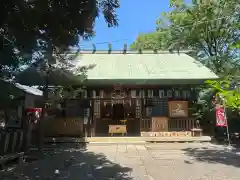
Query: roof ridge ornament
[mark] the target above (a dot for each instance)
(139, 49)
(171, 50)
(125, 49)
(94, 48)
(109, 48)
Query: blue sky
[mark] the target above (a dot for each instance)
(135, 16)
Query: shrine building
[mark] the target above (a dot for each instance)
(140, 93)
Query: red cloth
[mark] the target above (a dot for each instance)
(221, 117)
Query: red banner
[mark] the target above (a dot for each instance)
(220, 117)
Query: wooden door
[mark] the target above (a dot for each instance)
(159, 124)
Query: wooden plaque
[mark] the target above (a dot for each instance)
(178, 108)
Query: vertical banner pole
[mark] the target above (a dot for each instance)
(226, 120)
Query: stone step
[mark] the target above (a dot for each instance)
(128, 139)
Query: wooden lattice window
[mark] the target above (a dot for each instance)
(97, 108)
(177, 93)
(169, 93)
(186, 94)
(138, 111)
(161, 93)
(106, 109)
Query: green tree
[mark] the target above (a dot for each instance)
(39, 33)
(227, 90)
(151, 41)
(208, 28)
(26, 26)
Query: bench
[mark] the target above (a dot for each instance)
(6, 159)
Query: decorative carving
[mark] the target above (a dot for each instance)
(118, 92)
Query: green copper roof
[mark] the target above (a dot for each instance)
(145, 66)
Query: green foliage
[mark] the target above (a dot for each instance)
(208, 28)
(227, 89)
(236, 45)
(61, 73)
(33, 25)
(152, 41)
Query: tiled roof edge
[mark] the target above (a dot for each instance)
(128, 52)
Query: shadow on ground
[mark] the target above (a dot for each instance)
(217, 156)
(71, 162)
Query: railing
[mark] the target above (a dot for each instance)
(173, 124)
(181, 124)
(146, 124)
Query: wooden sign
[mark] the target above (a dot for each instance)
(178, 108)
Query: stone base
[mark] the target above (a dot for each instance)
(166, 134)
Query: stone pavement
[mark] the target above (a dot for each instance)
(170, 161)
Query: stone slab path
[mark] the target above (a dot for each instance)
(170, 161)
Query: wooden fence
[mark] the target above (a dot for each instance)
(11, 142)
(183, 124)
(178, 124)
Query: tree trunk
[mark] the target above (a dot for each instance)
(45, 98)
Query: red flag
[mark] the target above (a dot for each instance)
(220, 117)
